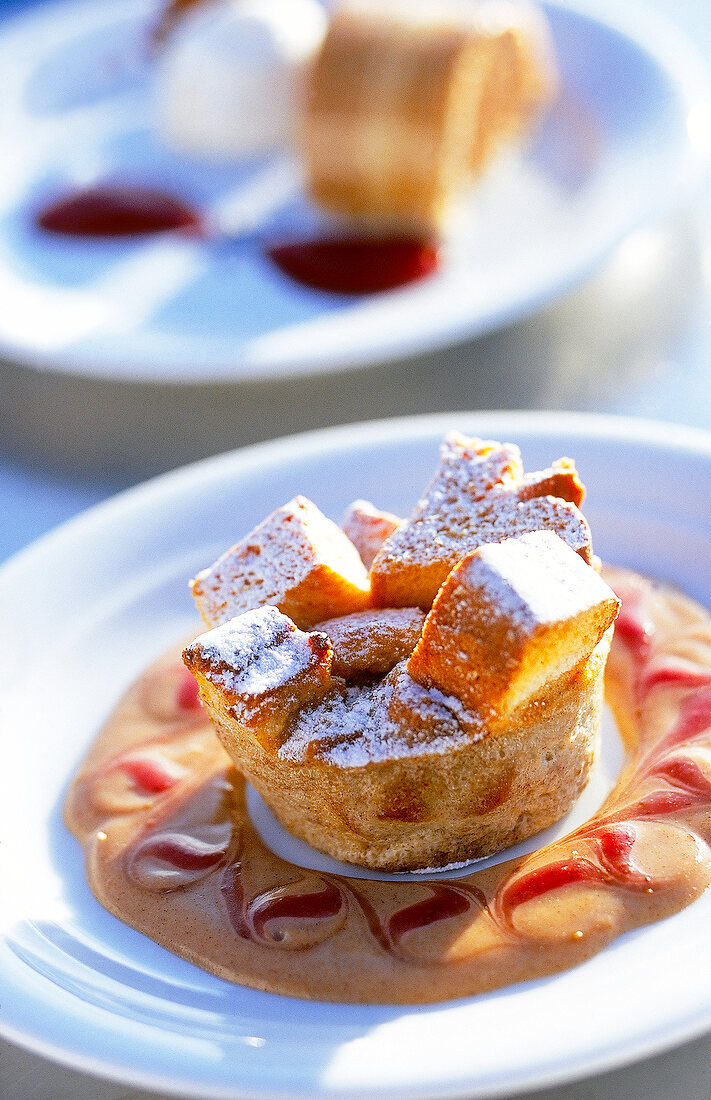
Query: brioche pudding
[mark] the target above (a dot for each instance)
(437, 708)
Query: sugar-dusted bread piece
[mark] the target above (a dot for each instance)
(510, 618)
(368, 527)
(259, 670)
(409, 101)
(560, 480)
(297, 560)
(479, 494)
(372, 642)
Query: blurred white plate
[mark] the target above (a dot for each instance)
(85, 609)
(625, 143)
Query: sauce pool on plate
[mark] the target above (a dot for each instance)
(171, 850)
(117, 210)
(356, 265)
(344, 266)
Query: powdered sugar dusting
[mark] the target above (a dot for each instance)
(471, 472)
(478, 495)
(474, 499)
(357, 727)
(255, 652)
(536, 578)
(348, 729)
(550, 513)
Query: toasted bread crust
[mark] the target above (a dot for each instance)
(433, 809)
(493, 642)
(263, 669)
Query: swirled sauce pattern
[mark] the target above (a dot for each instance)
(171, 850)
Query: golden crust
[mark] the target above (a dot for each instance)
(433, 809)
(493, 642)
(395, 773)
(261, 695)
(371, 643)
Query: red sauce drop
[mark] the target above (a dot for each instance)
(116, 210)
(148, 773)
(674, 676)
(659, 803)
(440, 905)
(633, 629)
(615, 842)
(233, 896)
(315, 906)
(355, 265)
(685, 773)
(186, 853)
(552, 876)
(695, 715)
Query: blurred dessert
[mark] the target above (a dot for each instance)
(407, 103)
(229, 73)
(432, 728)
(394, 109)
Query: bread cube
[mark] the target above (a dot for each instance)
(296, 560)
(257, 671)
(368, 527)
(509, 620)
(479, 494)
(371, 643)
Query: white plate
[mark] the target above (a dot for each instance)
(88, 606)
(626, 143)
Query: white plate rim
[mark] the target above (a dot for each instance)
(648, 31)
(671, 442)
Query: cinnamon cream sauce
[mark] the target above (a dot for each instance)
(170, 848)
